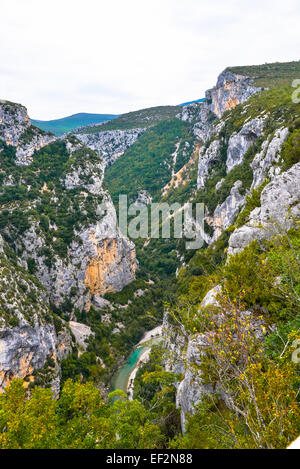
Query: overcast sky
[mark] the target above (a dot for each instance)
(61, 57)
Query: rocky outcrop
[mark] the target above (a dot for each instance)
(14, 121)
(240, 142)
(210, 298)
(280, 203)
(29, 342)
(231, 90)
(185, 353)
(264, 163)
(202, 118)
(175, 342)
(143, 198)
(206, 158)
(192, 388)
(16, 130)
(225, 214)
(99, 260)
(110, 144)
(25, 350)
(112, 268)
(81, 333)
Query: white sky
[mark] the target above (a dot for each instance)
(61, 57)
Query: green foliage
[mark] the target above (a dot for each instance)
(252, 201)
(270, 75)
(146, 165)
(44, 199)
(209, 427)
(79, 419)
(276, 343)
(256, 273)
(155, 388)
(291, 150)
(203, 270)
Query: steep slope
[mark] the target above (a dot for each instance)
(111, 144)
(33, 341)
(67, 124)
(112, 139)
(55, 224)
(60, 225)
(245, 143)
(16, 131)
(150, 162)
(226, 369)
(248, 178)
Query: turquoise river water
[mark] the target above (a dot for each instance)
(121, 378)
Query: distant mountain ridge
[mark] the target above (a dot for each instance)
(66, 124)
(84, 121)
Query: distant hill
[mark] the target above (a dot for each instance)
(87, 123)
(137, 119)
(66, 124)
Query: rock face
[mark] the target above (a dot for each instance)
(98, 259)
(239, 143)
(264, 163)
(25, 349)
(112, 268)
(28, 338)
(143, 198)
(81, 333)
(110, 144)
(14, 121)
(231, 90)
(225, 214)
(280, 202)
(210, 298)
(185, 355)
(192, 388)
(206, 117)
(16, 130)
(221, 149)
(175, 342)
(206, 158)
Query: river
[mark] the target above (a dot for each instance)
(128, 371)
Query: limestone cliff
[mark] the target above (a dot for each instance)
(280, 206)
(31, 343)
(231, 90)
(16, 130)
(74, 192)
(241, 140)
(62, 245)
(238, 152)
(110, 144)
